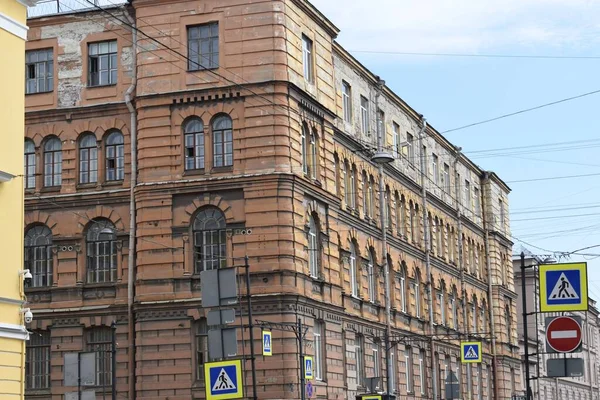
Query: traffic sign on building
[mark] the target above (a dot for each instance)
(224, 380)
(563, 334)
(470, 352)
(267, 343)
(308, 367)
(563, 287)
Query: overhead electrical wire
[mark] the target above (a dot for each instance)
(476, 55)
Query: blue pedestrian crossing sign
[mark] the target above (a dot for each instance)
(266, 343)
(470, 352)
(224, 380)
(563, 287)
(308, 367)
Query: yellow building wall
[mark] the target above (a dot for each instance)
(12, 115)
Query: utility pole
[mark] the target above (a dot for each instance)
(525, 333)
(113, 360)
(301, 354)
(250, 327)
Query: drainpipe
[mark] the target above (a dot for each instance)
(486, 179)
(434, 383)
(459, 264)
(129, 96)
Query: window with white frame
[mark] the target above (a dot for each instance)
(314, 155)
(422, 379)
(446, 178)
(371, 277)
(313, 247)
(410, 150)
(454, 311)
(377, 358)
(304, 147)
(222, 134)
(393, 368)
(319, 345)
(115, 157)
(396, 140)
(102, 63)
(417, 297)
(38, 255)
(467, 199)
(307, 59)
(359, 354)
(442, 303)
(353, 270)
(88, 158)
(347, 101)
(435, 170)
(52, 162)
(474, 316)
(402, 283)
(364, 115)
(408, 361)
(39, 71)
(29, 164)
(193, 133)
(37, 360)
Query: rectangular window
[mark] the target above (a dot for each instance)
(424, 156)
(396, 140)
(39, 71)
(203, 46)
(102, 63)
(467, 203)
(319, 361)
(347, 101)
(408, 148)
(201, 347)
(37, 361)
(417, 299)
(408, 360)
(99, 340)
(422, 379)
(442, 308)
(393, 369)
(403, 293)
(377, 360)
(364, 115)
(446, 178)
(477, 202)
(435, 170)
(359, 354)
(307, 59)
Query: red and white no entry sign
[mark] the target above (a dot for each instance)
(563, 334)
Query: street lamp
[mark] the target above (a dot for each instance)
(381, 158)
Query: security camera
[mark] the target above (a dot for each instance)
(28, 315)
(27, 277)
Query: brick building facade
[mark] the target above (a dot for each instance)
(246, 130)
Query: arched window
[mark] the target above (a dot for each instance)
(210, 245)
(431, 223)
(115, 157)
(222, 128)
(53, 162)
(314, 155)
(454, 308)
(371, 197)
(414, 222)
(388, 208)
(440, 237)
(88, 159)
(401, 215)
(193, 137)
(353, 186)
(29, 164)
(474, 315)
(38, 255)
(371, 276)
(484, 321)
(402, 284)
(442, 302)
(364, 190)
(353, 270)
(508, 322)
(101, 243)
(313, 247)
(450, 232)
(417, 294)
(348, 195)
(304, 147)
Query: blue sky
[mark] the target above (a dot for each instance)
(456, 91)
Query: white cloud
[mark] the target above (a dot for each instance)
(464, 25)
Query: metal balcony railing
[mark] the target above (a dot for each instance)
(52, 7)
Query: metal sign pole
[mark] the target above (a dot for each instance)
(251, 328)
(301, 353)
(525, 334)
